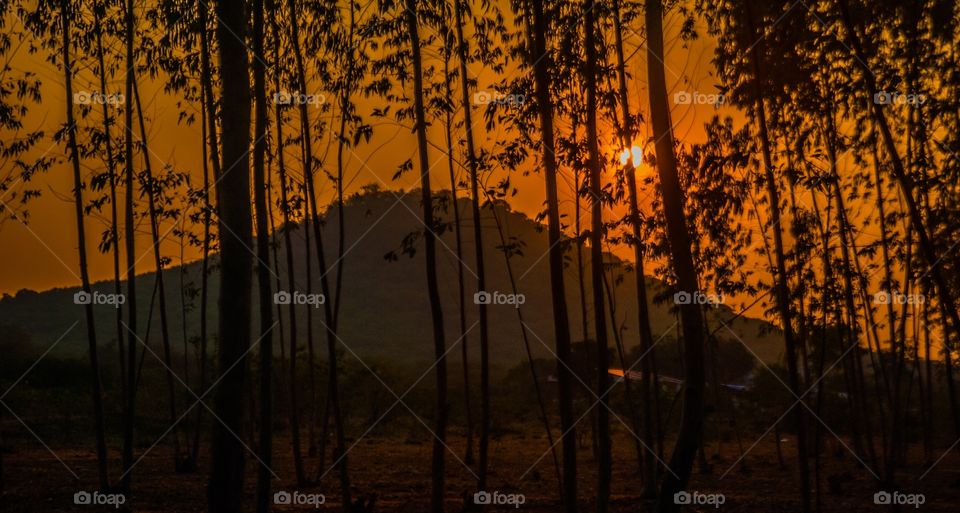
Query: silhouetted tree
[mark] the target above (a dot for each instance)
(265, 441)
(225, 487)
(691, 426)
(70, 131)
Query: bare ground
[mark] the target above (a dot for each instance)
(396, 470)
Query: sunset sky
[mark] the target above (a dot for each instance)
(42, 255)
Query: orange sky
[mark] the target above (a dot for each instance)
(43, 254)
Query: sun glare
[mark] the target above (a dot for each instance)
(635, 152)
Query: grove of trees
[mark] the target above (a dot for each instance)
(818, 193)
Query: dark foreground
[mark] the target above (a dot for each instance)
(396, 470)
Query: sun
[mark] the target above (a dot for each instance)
(635, 152)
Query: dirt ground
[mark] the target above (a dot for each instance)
(397, 471)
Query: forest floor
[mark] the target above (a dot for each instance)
(396, 469)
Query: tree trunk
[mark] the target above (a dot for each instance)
(204, 277)
(457, 228)
(210, 154)
(436, 310)
(265, 445)
(647, 391)
(330, 325)
(311, 353)
(151, 187)
(691, 424)
(225, 488)
(96, 387)
(596, 264)
(306, 144)
(473, 165)
(782, 289)
(129, 230)
(541, 63)
(114, 213)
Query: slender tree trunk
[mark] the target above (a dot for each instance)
(782, 289)
(204, 277)
(265, 445)
(691, 424)
(311, 353)
(855, 357)
(277, 280)
(285, 207)
(206, 84)
(581, 283)
(345, 106)
(330, 325)
(306, 144)
(96, 387)
(541, 63)
(211, 152)
(114, 215)
(342, 141)
(437, 486)
(647, 391)
(473, 166)
(928, 372)
(457, 228)
(225, 488)
(152, 189)
(604, 459)
(129, 230)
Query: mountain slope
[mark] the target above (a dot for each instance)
(385, 311)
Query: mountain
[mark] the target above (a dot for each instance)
(385, 311)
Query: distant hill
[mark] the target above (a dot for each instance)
(385, 310)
